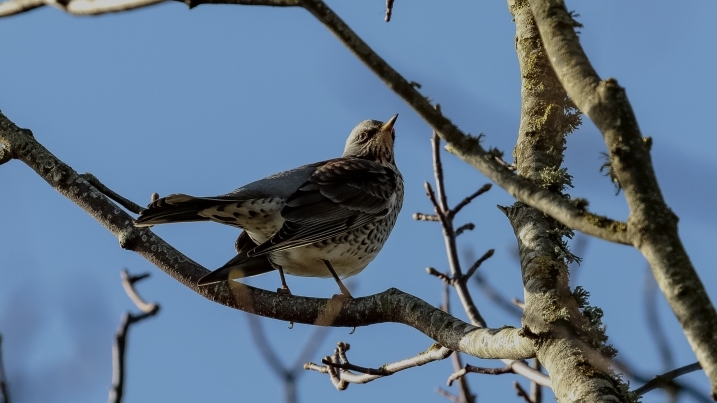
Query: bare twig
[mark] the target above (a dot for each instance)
(338, 367)
(122, 201)
(448, 395)
(389, 10)
(522, 393)
(288, 375)
(128, 319)
(661, 380)
(455, 210)
(465, 227)
(478, 370)
(679, 386)
(536, 391)
(465, 395)
(649, 297)
(4, 392)
(425, 217)
(477, 264)
(440, 205)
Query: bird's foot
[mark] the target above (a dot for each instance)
(342, 297)
(284, 290)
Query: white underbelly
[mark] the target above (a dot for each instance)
(347, 260)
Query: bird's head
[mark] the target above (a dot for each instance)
(372, 140)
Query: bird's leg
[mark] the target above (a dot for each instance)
(344, 291)
(284, 288)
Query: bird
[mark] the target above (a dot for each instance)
(326, 219)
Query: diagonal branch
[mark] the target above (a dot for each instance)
(652, 226)
(661, 380)
(389, 306)
(468, 147)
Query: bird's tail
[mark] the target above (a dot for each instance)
(174, 208)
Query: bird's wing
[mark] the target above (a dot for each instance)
(241, 265)
(341, 195)
(185, 208)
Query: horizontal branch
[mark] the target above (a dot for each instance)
(338, 367)
(389, 306)
(96, 7)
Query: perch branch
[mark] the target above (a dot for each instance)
(389, 306)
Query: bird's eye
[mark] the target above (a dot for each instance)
(365, 136)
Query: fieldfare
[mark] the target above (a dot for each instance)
(330, 218)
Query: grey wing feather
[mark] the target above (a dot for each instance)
(184, 208)
(341, 195)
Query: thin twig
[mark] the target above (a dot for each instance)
(536, 391)
(448, 395)
(425, 217)
(661, 380)
(652, 318)
(459, 374)
(477, 264)
(4, 392)
(465, 227)
(455, 210)
(443, 276)
(389, 10)
(441, 208)
(521, 392)
(119, 349)
(122, 201)
(680, 386)
(288, 375)
(337, 366)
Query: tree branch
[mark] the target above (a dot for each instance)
(661, 380)
(4, 393)
(338, 366)
(128, 319)
(389, 306)
(652, 226)
(468, 147)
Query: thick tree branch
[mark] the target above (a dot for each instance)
(467, 147)
(389, 306)
(567, 341)
(652, 226)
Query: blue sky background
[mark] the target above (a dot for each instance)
(202, 101)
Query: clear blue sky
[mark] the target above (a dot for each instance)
(201, 101)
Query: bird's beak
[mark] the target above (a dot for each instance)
(388, 126)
